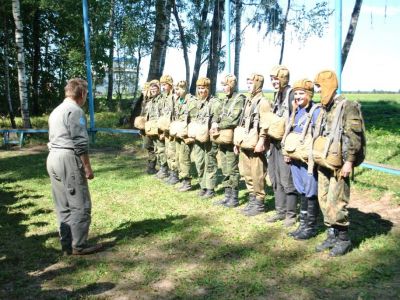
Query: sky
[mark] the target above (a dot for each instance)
(372, 64)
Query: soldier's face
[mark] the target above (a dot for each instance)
(202, 91)
(154, 91)
(275, 83)
(301, 98)
(166, 88)
(226, 89)
(180, 92)
(250, 85)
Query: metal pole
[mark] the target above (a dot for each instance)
(338, 26)
(88, 62)
(228, 36)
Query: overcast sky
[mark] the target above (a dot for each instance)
(373, 61)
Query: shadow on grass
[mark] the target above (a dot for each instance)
(24, 258)
(24, 167)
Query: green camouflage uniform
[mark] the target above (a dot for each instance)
(333, 189)
(205, 154)
(228, 118)
(183, 150)
(167, 109)
(153, 113)
(148, 143)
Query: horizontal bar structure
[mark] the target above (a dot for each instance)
(369, 165)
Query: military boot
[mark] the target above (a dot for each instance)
(330, 241)
(256, 209)
(226, 198)
(173, 178)
(151, 167)
(233, 200)
(163, 172)
(280, 207)
(310, 229)
(210, 193)
(249, 204)
(186, 185)
(202, 192)
(343, 243)
(302, 216)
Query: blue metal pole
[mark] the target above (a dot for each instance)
(88, 62)
(228, 35)
(338, 27)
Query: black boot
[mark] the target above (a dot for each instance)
(210, 193)
(224, 200)
(249, 203)
(280, 206)
(291, 206)
(302, 216)
(163, 172)
(186, 185)
(233, 200)
(256, 209)
(151, 167)
(343, 243)
(173, 178)
(312, 214)
(202, 192)
(330, 241)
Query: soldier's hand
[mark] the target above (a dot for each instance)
(89, 173)
(347, 168)
(236, 149)
(260, 147)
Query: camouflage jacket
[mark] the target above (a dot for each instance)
(153, 107)
(230, 111)
(166, 105)
(350, 130)
(205, 110)
(183, 107)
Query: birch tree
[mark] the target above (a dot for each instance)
(19, 40)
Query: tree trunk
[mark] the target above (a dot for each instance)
(159, 50)
(200, 44)
(215, 44)
(284, 31)
(238, 38)
(351, 32)
(19, 40)
(7, 75)
(183, 41)
(36, 61)
(111, 57)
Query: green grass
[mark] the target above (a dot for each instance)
(164, 244)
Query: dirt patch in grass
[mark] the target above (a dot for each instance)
(364, 201)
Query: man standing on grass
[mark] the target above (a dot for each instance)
(69, 168)
(339, 141)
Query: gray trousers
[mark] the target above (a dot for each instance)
(282, 182)
(71, 197)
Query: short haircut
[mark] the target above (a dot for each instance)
(75, 88)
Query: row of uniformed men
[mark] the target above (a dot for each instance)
(290, 169)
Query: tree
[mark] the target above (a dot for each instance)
(7, 75)
(202, 29)
(351, 32)
(160, 42)
(215, 43)
(284, 23)
(111, 54)
(183, 40)
(238, 37)
(19, 40)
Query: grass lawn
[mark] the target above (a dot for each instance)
(167, 245)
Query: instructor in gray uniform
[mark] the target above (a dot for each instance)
(69, 168)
